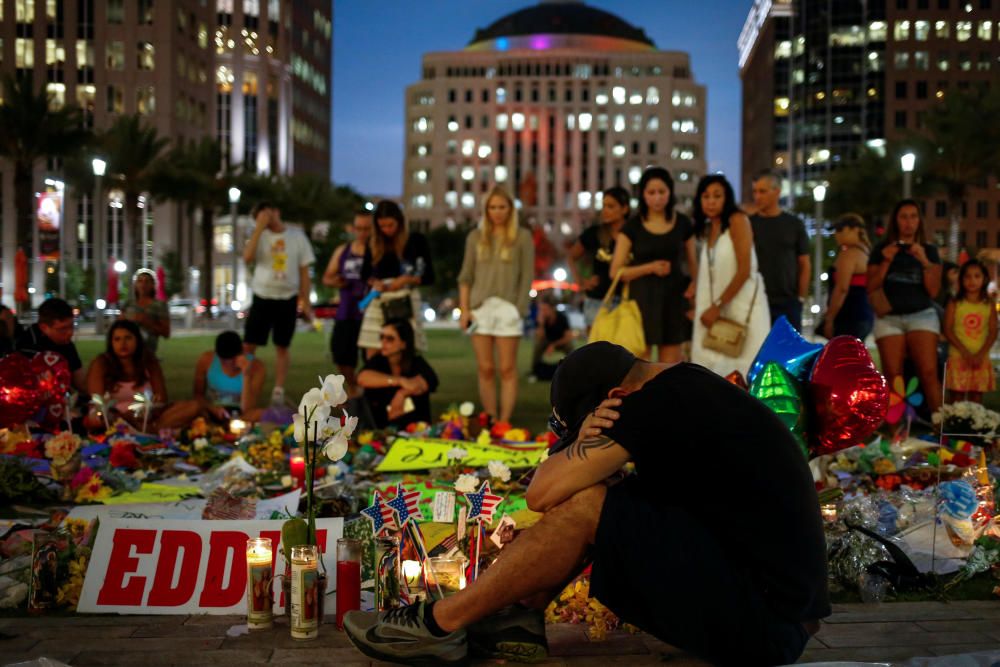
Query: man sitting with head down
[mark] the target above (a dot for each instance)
(715, 545)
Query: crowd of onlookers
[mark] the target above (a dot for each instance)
(684, 272)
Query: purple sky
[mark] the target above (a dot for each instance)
(378, 48)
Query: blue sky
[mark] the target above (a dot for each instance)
(377, 50)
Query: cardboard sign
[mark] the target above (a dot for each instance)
(190, 508)
(425, 454)
(185, 567)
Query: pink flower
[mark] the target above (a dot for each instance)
(82, 477)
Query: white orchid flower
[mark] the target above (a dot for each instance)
(499, 470)
(332, 390)
(299, 432)
(466, 483)
(336, 447)
(466, 409)
(456, 453)
(350, 424)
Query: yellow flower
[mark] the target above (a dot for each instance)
(94, 491)
(76, 527)
(365, 438)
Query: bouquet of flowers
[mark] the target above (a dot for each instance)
(967, 421)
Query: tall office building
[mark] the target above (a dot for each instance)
(557, 102)
(824, 79)
(193, 68)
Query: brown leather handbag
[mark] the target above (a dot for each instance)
(727, 336)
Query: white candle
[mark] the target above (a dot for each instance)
(259, 588)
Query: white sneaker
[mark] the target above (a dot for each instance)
(278, 396)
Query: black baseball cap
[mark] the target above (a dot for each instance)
(582, 380)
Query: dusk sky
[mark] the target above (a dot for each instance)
(377, 50)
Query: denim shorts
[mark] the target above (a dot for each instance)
(900, 325)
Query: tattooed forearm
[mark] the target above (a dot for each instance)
(582, 447)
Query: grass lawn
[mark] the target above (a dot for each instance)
(450, 354)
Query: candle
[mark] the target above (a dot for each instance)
(297, 465)
(305, 592)
(348, 577)
(237, 426)
(446, 575)
(259, 588)
(386, 572)
(412, 570)
(829, 512)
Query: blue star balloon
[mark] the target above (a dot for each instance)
(786, 346)
(958, 499)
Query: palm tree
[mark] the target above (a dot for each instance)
(133, 150)
(959, 148)
(192, 174)
(31, 129)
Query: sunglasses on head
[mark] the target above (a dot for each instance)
(557, 426)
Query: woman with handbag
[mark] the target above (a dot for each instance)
(904, 276)
(493, 293)
(731, 313)
(659, 241)
(400, 263)
(598, 242)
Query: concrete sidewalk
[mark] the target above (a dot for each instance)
(884, 633)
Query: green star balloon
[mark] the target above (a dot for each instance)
(776, 388)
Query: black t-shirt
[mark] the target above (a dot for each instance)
(379, 399)
(601, 248)
(416, 261)
(557, 328)
(904, 282)
(779, 242)
(758, 496)
(33, 340)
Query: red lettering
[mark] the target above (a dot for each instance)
(171, 543)
(220, 545)
(121, 563)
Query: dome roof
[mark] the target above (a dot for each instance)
(561, 17)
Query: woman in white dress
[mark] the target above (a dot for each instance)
(729, 284)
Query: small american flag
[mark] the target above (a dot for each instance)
(482, 503)
(406, 504)
(381, 516)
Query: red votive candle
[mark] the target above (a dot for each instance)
(348, 577)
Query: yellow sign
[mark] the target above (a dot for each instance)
(154, 493)
(425, 454)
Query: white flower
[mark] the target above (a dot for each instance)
(456, 453)
(350, 423)
(299, 432)
(466, 483)
(499, 470)
(466, 409)
(313, 406)
(200, 444)
(332, 390)
(336, 447)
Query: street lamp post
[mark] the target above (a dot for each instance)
(234, 200)
(819, 195)
(100, 256)
(907, 161)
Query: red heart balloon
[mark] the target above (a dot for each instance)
(849, 395)
(737, 378)
(53, 374)
(20, 396)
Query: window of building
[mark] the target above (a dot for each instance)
(115, 99)
(468, 96)
(619, 123)
(982, 209)
(902, 4)
(146, 12)
(921, 90)
(921, 30)
(901, 90)
(944, 4)
(652, 124)
(902, 60)
(115, 11)
(652, 95)
(901, 31)
(618, 94)
(848, 35)
(145, 56)
(985, 31)
(942, 29)
(942, 61)
(922, 60)
(501, 121)
(485, 97)
(900, 119)
(468, 122)
(783, 49)
(981, 238)
(517, 121)
(964, 61)
(452, 95)
(115, 59)
(452, 124)
(941, 208)
(501, 95)
(618, 150)
(923, 4)
(963, 31)
(877, 31)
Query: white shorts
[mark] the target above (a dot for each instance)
(497, 317)
(900, 325)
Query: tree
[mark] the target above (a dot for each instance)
(959, 148)
(133, 149)
(193, 174)
(32, 129)
(869, 186)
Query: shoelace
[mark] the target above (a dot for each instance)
(404, 616)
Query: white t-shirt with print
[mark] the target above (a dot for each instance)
(279, 258)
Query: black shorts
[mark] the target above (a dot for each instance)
(344, 342)
(268, 314)
(662, 570)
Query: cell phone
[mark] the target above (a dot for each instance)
(471, 329)
(902, 246)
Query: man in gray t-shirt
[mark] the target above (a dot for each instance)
(782, 251)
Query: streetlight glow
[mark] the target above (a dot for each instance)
(559, 274)
(234, 195)
(120, 267)
(99, 166)
(908, 161)
(819, 192)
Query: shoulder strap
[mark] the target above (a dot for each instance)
(611, 290)
(711, 287)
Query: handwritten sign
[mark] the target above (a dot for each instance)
(184, 567)
(151, 492)
(425, 454)
(189, 509)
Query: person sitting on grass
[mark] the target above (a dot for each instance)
(124, 369)
(397, 381)
(227, 381)
(667, 553)
(552, 335)
(146, 310)
(53, 332)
